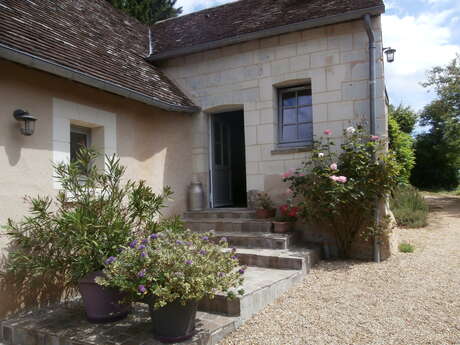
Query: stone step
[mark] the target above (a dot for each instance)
(228, 225)
(242, 213)
(261, 287)
(291, 258)
(257, 239)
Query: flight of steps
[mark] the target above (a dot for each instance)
(275, 261)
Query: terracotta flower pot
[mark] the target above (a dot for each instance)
(174, 322)
(262, 213)
(282, 227)
(101, 304)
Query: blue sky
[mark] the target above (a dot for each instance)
(425, 33)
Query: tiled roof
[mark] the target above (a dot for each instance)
(243, 17)
(93, 38)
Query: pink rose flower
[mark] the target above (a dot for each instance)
(375, 138)
(287, 174)
(333, 166)
(289, 191)
(328, 132)
(333, 178)
(342, 179)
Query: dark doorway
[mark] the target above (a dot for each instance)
(228, 163)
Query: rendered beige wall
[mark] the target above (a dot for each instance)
(153, 144)
(245, 76)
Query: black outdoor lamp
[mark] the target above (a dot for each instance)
(390, 53)
(28, 121)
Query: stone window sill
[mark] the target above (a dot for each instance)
(287, 150)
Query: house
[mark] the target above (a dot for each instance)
(232, 95)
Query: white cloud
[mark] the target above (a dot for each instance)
(422, 42)
(196, 5)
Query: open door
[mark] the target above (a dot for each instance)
(227, 160)
(221, 163)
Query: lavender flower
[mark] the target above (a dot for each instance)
(241, 271)
(223, 239)
(141, 247)
(110, 260)
(143, 254)
(233, 249)
(205, 238)
(179, 274)
(153, 236)
(142, 288)
(179, 242)
(188, 262)
(234, 257)
(145, 241)
(188, 243)
(133, 244)
(203, 252)
(141, 273)
(221, 274)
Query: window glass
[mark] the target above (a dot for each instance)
(79, 137)
(295, 116)
(289, 99)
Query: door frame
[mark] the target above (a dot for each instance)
(211, 148)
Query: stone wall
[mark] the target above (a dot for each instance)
(334, 59)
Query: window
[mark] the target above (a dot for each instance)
(295, 116)
(79, 137)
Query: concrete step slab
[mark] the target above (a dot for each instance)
(257, 239)
(234, 213)
(261, 287)
(228, 225)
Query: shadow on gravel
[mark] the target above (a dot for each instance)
(336, 265)
(448, 205)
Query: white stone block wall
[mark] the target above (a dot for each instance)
(334, 59)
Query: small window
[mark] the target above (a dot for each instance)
(79, 137)
(295, 116)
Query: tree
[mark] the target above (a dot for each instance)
(402, 145)
(405, 116)
(438, 150)
(148, 11)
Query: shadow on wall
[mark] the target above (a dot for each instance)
(23, 291)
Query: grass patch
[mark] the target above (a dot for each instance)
(405, 247)
(409, 207)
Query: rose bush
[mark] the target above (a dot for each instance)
(174, 266)
(339, 190)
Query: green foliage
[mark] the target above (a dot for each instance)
(409, 207)
(405, 247)
(148, 11)
(402, 145)
(404, 116)
(174, 265)
(264, 201)
(340, 191)
(92, 216)
(438, 150)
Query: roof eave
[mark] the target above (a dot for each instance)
(24, 58)
(308, 24)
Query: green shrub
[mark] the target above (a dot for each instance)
(174, 265)
(339, 191)
(405, 247)
(92, 216)
(402, 145)
(409, 207)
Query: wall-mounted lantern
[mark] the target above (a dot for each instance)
(27, 121)
(390, 53)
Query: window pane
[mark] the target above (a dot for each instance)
(289, 99)
(305, 97)
(305, 114)
(225, 145)
(216, 132)
(290, 133)
(306, 131)
(217, 154)
(77, 141)
(289, 116)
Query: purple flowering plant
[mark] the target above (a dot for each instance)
(178, 265)
(338, 186)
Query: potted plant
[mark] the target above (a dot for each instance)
(287, 217)
(171, 271)
(264, 206)
(69, 238)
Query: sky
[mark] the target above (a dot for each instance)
(425, 33)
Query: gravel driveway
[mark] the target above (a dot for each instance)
(408, 299)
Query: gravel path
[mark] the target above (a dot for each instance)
(408, 299)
